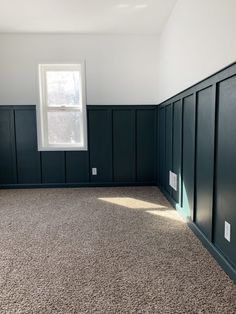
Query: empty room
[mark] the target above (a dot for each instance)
(117, 156)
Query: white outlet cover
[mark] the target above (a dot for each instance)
(94, 171)
(227, 231)
(170, 178)
(173, 180)
(174, 183)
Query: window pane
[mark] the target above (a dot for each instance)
(64, 127)
(63, 88)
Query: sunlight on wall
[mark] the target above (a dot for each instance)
(186, 208)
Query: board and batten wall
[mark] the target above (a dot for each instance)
(122, 146)
(197, 41)
(120, 69)
(197, 141)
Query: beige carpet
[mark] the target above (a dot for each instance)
(104, 250)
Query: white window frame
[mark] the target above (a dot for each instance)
(42, 108)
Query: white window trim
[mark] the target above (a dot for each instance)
(41, 112)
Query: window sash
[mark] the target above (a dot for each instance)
(63, 144)
(45, 109)
(66, 68)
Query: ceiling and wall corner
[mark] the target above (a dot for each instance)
(197, 41)
(89, 17)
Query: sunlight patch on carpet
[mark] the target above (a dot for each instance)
(131, 202)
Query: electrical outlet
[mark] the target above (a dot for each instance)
(94, 171)
(170, 178)
(173, 180)
(227, 231)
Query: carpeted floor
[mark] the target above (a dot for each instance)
(104, 250)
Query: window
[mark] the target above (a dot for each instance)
(61, 114)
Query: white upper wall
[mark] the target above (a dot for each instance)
(198, 40)
(120, 69)
(85, 16)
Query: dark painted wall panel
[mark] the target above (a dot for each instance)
(157, 148)
(53, 167)
(168, 147)
(158, 155)
(177, 148)
(77, 167)
(100, 144)
(188, 155)
(205, 160)
(225, 209)
(208, 161)
(7, 147)
(146, 155)
(135, 152)
(124, 145)
(28, 157)
(162, 149)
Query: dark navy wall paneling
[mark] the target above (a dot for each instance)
(162, 149)
(53, 167)
(28, 157)
(146, 145)
(225, 209)
(77, 167)
(7, 147)
(177, 148)
(168, 147)
(100, 144)
(157, 164)
(205, 159)
(189, 109)
(124, 145)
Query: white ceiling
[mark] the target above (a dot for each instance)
(85, 16)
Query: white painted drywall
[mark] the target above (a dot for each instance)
(119, 69)
(198, 40)
(85, 16)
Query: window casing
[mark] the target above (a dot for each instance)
(61, 113)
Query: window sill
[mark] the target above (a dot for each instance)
(52, 149)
